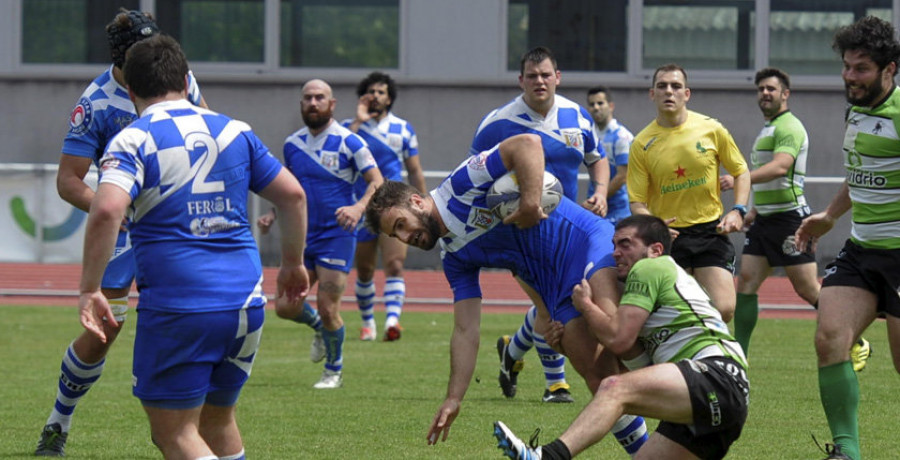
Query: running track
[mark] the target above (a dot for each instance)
(426, 290)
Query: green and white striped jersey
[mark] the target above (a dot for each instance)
(683, 324)
(782, 134)
(872, 158)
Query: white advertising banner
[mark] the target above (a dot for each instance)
(38, 225)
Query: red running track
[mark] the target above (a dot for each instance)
(426, 290)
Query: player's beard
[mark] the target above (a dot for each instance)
(316, 119)
(868, 98)
(432, 228)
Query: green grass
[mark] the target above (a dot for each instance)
(392, 390)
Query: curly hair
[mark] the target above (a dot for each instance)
(389, 195)
(871, 36)
(378, 77)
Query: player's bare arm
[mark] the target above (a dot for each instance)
(463, 355)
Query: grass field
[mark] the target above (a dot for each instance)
(391, 391)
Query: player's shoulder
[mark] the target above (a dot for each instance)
(658, 267)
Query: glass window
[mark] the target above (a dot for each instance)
(68, 31)
(583, 34)
(340, 33)
(699, 34)
(216, 30)
(801, 32)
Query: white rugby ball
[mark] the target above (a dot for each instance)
(503, 197)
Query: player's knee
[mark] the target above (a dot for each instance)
(612, 388)
(394, 267)
(832, 343)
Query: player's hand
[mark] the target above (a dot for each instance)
(726, 182)
(95, 314)
(732, 222)
(748, 220)
(348, 216)
(597, 205)
(362, 108)
(526, 216)
(440, 425)
(265, 221)
(582, 296)
(292, 283)
(553, 336)
(807, 235)
(672, 232)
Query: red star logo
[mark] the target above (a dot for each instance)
(680, 172)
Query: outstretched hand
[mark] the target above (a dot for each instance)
(440, 425)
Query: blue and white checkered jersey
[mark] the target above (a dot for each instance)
(616, 140)
(568, 135)
(552, 256)
(103, 110)
(188, 171)
(392, 141)
(327, 165)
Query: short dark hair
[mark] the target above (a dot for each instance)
(668, 68)
(773, 72)
(378, 77)
(600, 89)
(155, 66)
(389, 194)
(650, 229)
(871, 36)
(537, 55)
(126, 29)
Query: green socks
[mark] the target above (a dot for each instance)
(839, 390)
(746, 313)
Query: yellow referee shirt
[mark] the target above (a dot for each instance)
(676, 170)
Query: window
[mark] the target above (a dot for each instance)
(215, 30)
(699, 34)
(801, 32)
(583, 34)
(68, 31)
(340, 33)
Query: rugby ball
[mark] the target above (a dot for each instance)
(503, 197)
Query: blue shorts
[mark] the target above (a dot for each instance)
(331, 253)
(182, 361)
(120, 270)
(363, 234)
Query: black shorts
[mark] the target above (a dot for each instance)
(720, 393)
(772, 237)
(702, 246)
(874, 270)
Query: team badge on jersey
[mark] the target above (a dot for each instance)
(395, 141)
(82, 114)
(481, 218)
(331, 161)
(573, 137)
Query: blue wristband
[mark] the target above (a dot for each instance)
(741, 209)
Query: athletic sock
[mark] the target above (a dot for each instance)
(524, 338)
(556, 450)
(310, 317)
(334, 349)
(554, 364)
(631, 432)
(839, 390)
(394, 295)
(365, 300)
(75, 379)
(746, 314)
(238, 456)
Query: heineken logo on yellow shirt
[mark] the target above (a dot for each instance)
(683, 185)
